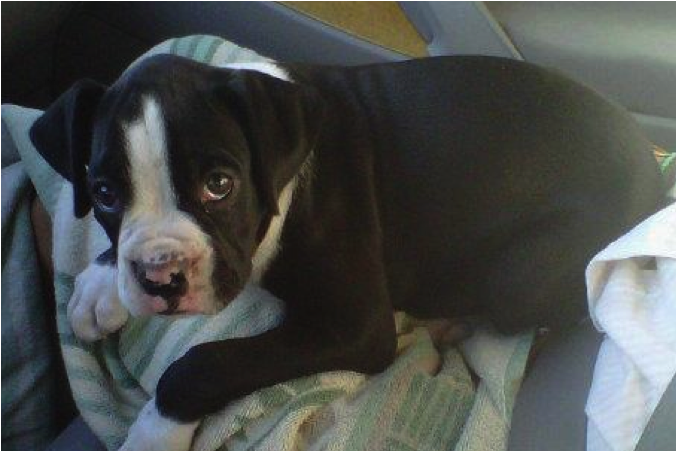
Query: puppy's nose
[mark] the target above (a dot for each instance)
(166, 279)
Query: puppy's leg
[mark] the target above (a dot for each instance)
(539, 278)
(211, 375)
(153, 431)
(94, 309)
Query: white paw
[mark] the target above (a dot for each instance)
(152, 431)
(94, 309)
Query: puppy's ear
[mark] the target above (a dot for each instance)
(63, 136)
(281, 121)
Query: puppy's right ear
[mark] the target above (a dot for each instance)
(63, 136)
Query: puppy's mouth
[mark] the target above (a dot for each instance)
(166, 280)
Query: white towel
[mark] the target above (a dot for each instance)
(631, 296)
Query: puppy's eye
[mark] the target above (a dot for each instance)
(218, 186)
(105, 196)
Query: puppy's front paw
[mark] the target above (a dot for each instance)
(153, 431)
(94, 309)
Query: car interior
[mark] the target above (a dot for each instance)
(623, 50)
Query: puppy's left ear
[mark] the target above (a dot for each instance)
(63, 136)
(281, 121)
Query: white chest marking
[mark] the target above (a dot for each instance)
(270, 245)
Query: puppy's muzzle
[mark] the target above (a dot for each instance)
(165, 267)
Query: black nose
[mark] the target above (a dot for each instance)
(170, 292)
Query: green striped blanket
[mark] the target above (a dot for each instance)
(425, 400)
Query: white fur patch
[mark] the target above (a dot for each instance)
(152, 431)
(270, 245)
(147, 154)
(271, 69)
(94, 309)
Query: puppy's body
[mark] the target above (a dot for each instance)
(442, 187)
(457, 167)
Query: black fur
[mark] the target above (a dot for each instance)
(63, 135)
(442, 186)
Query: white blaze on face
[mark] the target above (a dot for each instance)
(148, 163)
(155, 235)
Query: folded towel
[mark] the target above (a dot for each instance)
(631, 293)
(425, 400)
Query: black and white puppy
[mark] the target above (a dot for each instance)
(443, 187)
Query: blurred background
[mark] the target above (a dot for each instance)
(626, 50)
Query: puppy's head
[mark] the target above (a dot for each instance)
(183, 165)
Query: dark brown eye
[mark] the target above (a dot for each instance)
(105, 196)
(217, 186)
